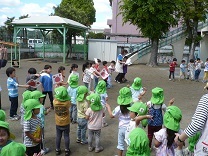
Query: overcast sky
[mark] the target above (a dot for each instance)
(11, 8)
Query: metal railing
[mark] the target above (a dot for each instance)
(169, 38)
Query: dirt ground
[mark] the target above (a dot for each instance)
(186, 93)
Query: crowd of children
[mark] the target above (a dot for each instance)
(190, 71)
(87, 106)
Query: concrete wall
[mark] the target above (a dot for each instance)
(178, 49)
(204, 48)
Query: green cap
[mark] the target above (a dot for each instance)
(157, 96)
(172, 118)
(139, 107)
(137, 84)
(125, 96)
(61, 94)
(2, 115)
(73, 81)
(13, 149)
(95, 103)
(6, 125)
(101, 87)
(37, 95)
(81, 91)
(26, 95)
(29, 106)
(138, 143)
(193, 140)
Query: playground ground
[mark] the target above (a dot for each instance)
(186, 93)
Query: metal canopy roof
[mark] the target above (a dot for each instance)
(48, 22)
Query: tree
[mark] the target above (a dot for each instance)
(93, 35)
(193, 12)
(9, 27)
(153, 17)
(82, 11)
(24, 31)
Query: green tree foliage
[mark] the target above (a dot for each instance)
(193, 12)
(93, 35)
(9, 27)
(82, 11)
(153, 17)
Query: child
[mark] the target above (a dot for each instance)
(139, 143)
(61, 70)
(62, 118)
(124, 100)
(25, 96)
(111, 69)
(39, 96)
(205, 78)
(105, 66)
(32, 75)
(97, 72)
(94, 74)
(32, 126)
(73, 70)
(164, 138)
(86, 75)
(6, 136)
(191, 69)
(182, 69)
(47, 84)
(12, 86)
(82, 106)
(137, 89)
(172, 69)
(72, 91)
(198, 65)
(156, 106)
(138, 112)
(101, 90)
(94, 115)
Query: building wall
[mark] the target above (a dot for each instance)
(117, 27)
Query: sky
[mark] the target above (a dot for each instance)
(17, 8)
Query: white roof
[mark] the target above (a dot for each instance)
(48, 20)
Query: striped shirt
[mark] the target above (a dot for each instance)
(12, 87)
(34, 127)
(200, 117)
(124, 120)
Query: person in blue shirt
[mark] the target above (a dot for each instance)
(72, 91)
(12, 86)
(182, 69)
(47, 84)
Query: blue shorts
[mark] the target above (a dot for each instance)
(121, 137)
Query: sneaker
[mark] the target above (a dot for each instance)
(90, 149)
(78, 141)
(84, 142)
(105, 125)
(17, 116)
(44, 151)
(97, 150)
(67, 152)
(13, 119)
(58, 152)
(169, 79)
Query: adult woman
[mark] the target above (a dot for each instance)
(199, 123)
(119, 66)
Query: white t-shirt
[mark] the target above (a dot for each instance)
(149, 104)
(123, 119)
(87, 76)
(136, 93)
(92, 70)
(111, 69)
